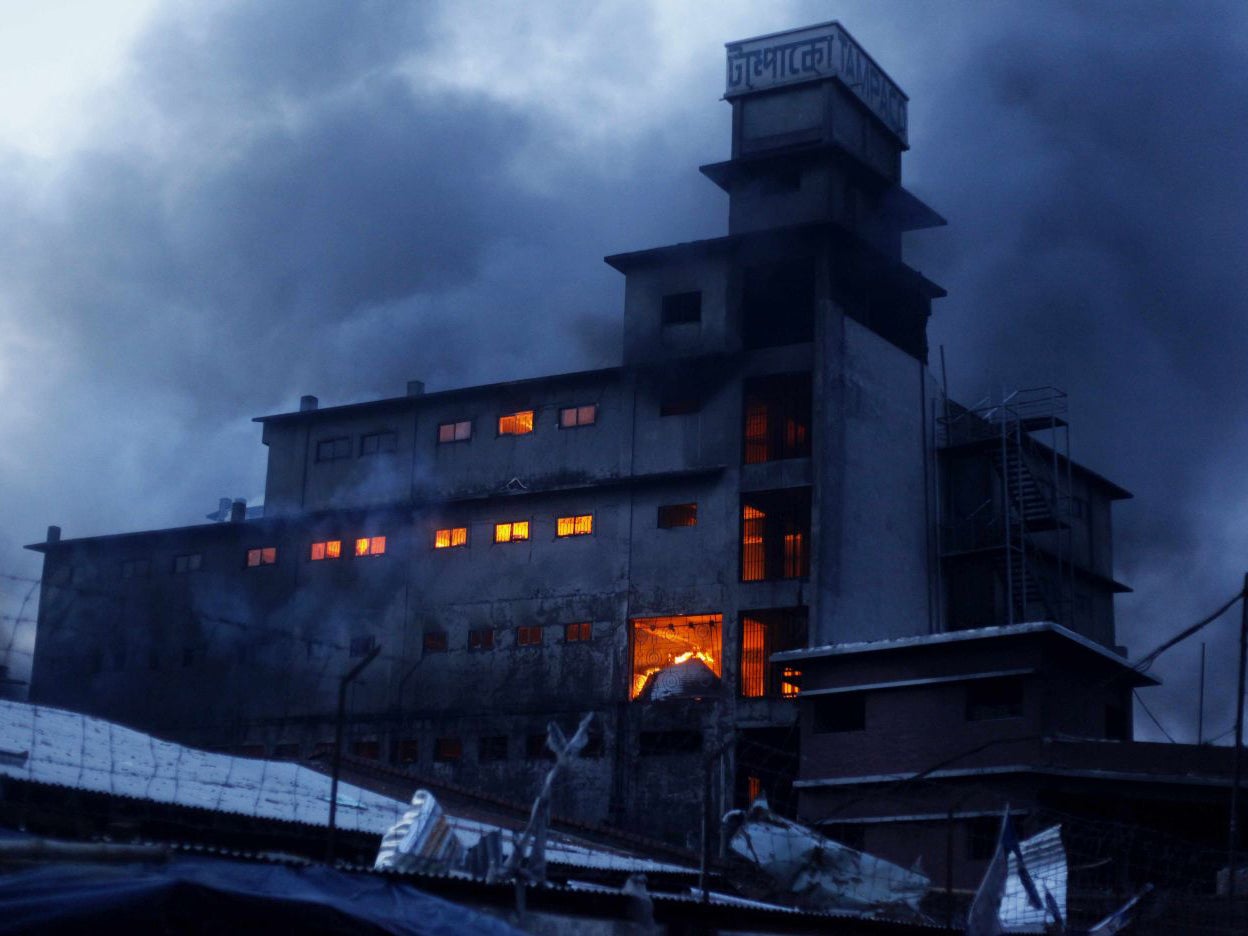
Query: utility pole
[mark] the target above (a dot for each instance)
(337, 760)
(1233, 835)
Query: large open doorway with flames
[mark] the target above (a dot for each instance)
(691, 641)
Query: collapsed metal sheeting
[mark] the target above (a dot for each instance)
(1044, 857)
(803, 868)
(422, 840)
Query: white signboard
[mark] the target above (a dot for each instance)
(825, 51)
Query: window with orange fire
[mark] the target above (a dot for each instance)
(775, 535)
(370, 546)
(762, 634)
(580, 525)
(512, 531)
(450, 537)
(326, 549)
(323, 550)
(776, 421)
(520, 423)
(660, 642)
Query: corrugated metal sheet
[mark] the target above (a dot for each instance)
(59, 748)
(1045, 859)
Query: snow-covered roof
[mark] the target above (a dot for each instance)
(947, 637)
(60, 748)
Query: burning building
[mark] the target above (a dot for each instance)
(771, 467)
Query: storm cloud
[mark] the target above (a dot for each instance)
(332, 198)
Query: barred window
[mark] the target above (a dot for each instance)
(520, 423)
(511, 531)
(450, 538)
(580, 631)
(579, 525)
(326, 549)
(528, 635)
(370, 546)
(434, 641)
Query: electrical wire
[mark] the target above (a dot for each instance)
(1149, 713)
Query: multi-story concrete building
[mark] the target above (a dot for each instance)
(760, 474)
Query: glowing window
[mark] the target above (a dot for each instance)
(327, 549)
(434, 641)
(450, 538)
(678, 515)
(571, 417)
(528, 636)
(266, 555)
(580, 525)
(754, 788)
(370, 546)
(460, 431)
(665, 641)
(753, 565)
(753, 659)
(481, 638)
(775, 535)
(581, 630)
(520, 423)
(511, 532)
(763, 633)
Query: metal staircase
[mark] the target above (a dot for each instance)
(1026, 523)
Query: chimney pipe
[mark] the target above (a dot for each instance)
(54, 534)
(308, 402)
(238, 510)
(415, 388)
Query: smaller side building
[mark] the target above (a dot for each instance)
(913, 748)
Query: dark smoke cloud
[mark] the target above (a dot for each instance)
(277, 200)
(1090, 159)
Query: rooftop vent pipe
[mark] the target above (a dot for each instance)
(54, 534)
(238, 510)
(307, 402)
(415, 388)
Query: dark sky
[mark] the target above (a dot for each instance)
(277, 198)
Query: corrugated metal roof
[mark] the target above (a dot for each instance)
(60, 748)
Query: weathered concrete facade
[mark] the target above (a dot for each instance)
(760, 474)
